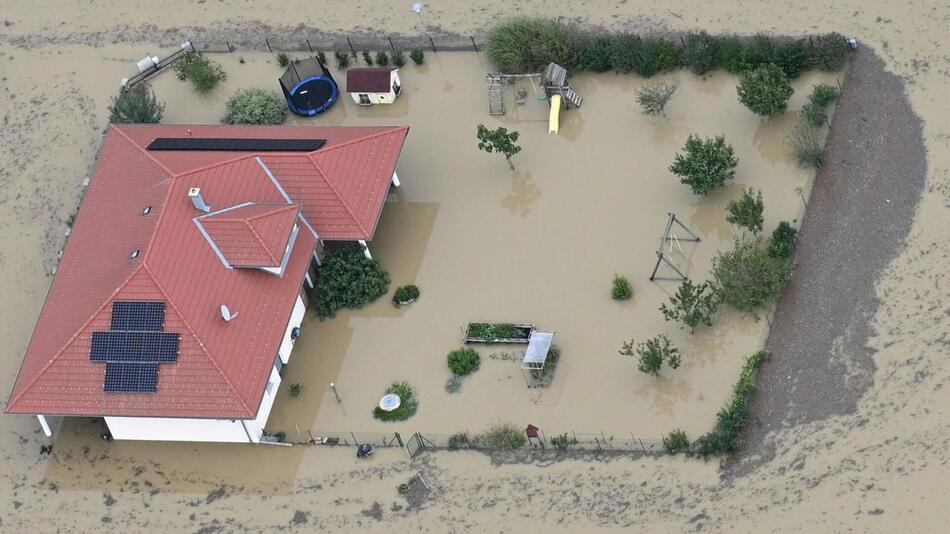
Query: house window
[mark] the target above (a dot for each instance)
(270, 387)
(364, 99)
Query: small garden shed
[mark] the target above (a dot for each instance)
(369, 85)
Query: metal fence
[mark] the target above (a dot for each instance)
(353, 44)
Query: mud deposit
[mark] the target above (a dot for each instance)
(873, 460)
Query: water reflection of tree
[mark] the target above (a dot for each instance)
(668, 392)
(522, 194)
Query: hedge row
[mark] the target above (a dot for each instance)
(524, 44)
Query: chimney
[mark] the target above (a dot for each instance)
(195, 195)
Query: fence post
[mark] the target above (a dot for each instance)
(399, 439)
(682, 40)
(229, 46)
(475, 46)
(355, 441)
(391, 44)
(432, 43)
(269, 49)
(308, 45)
(641, 445)
(353, 50)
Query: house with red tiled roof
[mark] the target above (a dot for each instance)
(373, 85)
(181, 289)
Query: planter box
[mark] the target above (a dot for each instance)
(509, 332)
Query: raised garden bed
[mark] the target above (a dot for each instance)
(498, 332)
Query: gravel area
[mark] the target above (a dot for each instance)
(859, 214)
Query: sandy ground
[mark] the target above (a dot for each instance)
(879, 465)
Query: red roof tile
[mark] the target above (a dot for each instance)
(251, 235)
(222, 367)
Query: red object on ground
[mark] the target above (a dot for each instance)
(532, 431)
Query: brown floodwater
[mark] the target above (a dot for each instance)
(485, 243)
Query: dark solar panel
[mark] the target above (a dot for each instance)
(138, 315)
(235, 144)
(115, 346)
(124, 377)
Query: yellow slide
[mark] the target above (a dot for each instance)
(555, 111)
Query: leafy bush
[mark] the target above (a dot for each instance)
(676, 442)
(596, 55)
(550, 365)
(692, 304)
(368, 59)
(458, 440)
(759, 52)
(382, 58)
(654, 97)
(746, 212)
(792, 57)
(255, 106)
(813, 114)
(658, 56)
(136, 104)
(830, 51)
(701, 52)
(342, 59)
(626, 53)
(404, 294)
(732, 54)
(407, 406)
(490, 331)
(563, 441)
(500, 436)
(765, 90)
(782, 242)
(705, 165)
(732, 418)
(807, 144)
(283, 59)
(295, 389)
(347, 279)
(523, 44)
(823, 95)
(653, 354)
(464, 361)
(399, 58)
(453, 384)
(417, 56)
(747, 278)
(621, 289)
(203, 73)
(498, 140)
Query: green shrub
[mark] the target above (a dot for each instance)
(417, 56)
(295, 389)
(453, 384)
(657, 56)
(464, 361)
(692, 305)
(652, 354)
(813, 114)
(747, 277)
(347, 279)
(382, 58)
(823, 95)
(746, 212)
(676, 442)
(765, 90)
(701, 52)
(759, 52)
(407, 406)
(626, 54)
(405, 294)
(732, 418)
(255, 106)
(782, 242)
(563, 441)
(399, 58)
(491, 331)
(596, 55)
(523, 44)
(500, 436)
(807, 144)
(203, 73)
(705, 164)
(368, 59)
(830, 51)
(732, 54)
(654, 97)
(136, 104)
(342, 59)
(621, 289)
(283, 59)
(458, 440)
(792, 57)
(550, 365)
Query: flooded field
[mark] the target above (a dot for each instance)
(879, 469)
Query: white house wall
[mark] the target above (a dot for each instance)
(169, 429)
(296, 318)
(256, 427)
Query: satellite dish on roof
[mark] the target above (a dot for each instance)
(226, 313)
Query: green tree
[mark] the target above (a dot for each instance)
(830, 51)
(692, 305)
(255, 106)
(746, 212)
(652, 354)
(813, 114)
(765, 90)
(747, 277)
(654, 97)
(706, 164)
(499, 140)
(701, 52)
(823, 95)
(136, 104)
(347, 279)
(782, 242)
(203, 73)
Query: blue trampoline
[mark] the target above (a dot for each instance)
(308, 87)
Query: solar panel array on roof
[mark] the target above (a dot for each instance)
(134, 346)
(236, 144)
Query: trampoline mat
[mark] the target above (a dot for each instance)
(314, 93)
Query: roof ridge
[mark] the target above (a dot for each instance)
(388, 130)
(169, 301)
(280, 209)
(260, 241)
(142, 149)
(213, 165)
(326, 178)
(75, 334)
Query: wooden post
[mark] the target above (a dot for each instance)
(353, 50)
(432, 44)
(399, 439)
(308, 45)
(269, 49)
(391, 44)
(228, 44)
(475, 46)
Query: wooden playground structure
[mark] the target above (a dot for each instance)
(553, 82)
